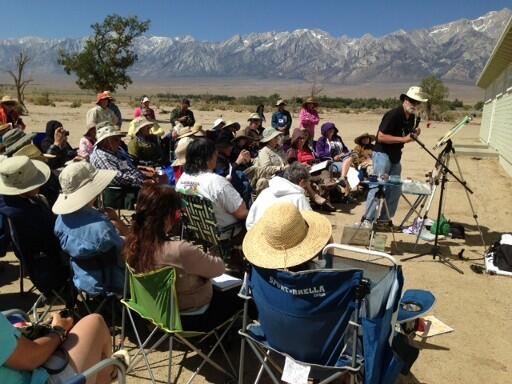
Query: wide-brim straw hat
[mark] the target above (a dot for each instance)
(268, 134)
(310, 100)
(80, 183)
(196, 130)
(414, 93)
(286, 237)
(8, 100)
(19, 174)
(358, 140)
(280, 102)
(33, 153)
(181, 151)
(106, 130)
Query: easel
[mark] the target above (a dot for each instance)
(442, 164)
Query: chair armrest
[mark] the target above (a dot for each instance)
(15, 311)
(81, 378)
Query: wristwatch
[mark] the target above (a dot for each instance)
(59, 331)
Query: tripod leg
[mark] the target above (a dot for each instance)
(425, 215)
(475, 216)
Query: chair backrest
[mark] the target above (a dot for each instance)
(199, 219)
(306, 314)
(38, 139)
(153, 297)
(47, 272)
(98, 272)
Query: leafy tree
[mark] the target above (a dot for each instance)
(107, 55)
(436, 92)
(478, 106)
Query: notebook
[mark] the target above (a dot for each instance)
(225, 282)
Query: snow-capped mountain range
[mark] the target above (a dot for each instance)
(456, 51)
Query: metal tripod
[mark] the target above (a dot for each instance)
(442, 163)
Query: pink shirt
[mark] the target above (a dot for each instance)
(308, 120)
(85, 147)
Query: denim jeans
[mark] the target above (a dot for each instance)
(382, 165)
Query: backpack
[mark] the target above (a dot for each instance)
(502, 256)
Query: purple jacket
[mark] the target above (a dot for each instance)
(323, 148)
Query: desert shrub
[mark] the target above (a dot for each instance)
(43, 99)
(75, 104)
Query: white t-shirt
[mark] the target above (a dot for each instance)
(215, 188)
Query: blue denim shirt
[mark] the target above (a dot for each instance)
(86, 233)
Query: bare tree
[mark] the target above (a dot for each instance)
(316, 88)
(21, 60)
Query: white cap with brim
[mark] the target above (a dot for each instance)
(19, 175)
(81, 183)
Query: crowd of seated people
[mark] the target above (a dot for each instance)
(243, 172)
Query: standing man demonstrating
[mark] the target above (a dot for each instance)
(398, 127)
(281, 119)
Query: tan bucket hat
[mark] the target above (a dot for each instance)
(415, 93)
(15, 139)
(280, 102)
(268, 134)
(142, 122)
(285, 237)
(80, 183)
(19, 174)
(181, 151)
(105, 130)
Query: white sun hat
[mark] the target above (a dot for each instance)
(80, 183)
(415, 93)
(19, 174)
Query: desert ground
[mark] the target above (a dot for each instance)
(477, 306)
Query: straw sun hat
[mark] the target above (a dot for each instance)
(196, 130)
(19, 174)
(359, 139)
(181, 151)
(80, 183)
(286, 237)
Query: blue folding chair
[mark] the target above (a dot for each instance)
(336, 321)
(16, 315)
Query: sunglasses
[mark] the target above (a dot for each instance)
(413, 102)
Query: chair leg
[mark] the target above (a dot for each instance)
(262, 362)
(260, 371)
(141, 349)
(22, 275)
(170, 360)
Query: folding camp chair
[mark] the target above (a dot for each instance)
(153, 297)
(49, 274)
(16, 315)
(100, 268)
(338, 321)
(200, 224)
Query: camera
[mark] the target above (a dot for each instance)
(66, 133)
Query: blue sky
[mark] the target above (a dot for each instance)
(216, 20)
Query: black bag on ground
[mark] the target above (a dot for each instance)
(502, 256)
(457, 231)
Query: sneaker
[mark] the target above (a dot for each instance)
(123, 356)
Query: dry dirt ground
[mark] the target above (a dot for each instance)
(478, 307)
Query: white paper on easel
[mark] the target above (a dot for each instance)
(353, 178)
(295, 372)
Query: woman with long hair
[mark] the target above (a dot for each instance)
(149, 247)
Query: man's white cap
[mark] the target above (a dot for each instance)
(145, 99)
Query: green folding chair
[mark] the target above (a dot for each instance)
(200, 225)
(153, 297)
